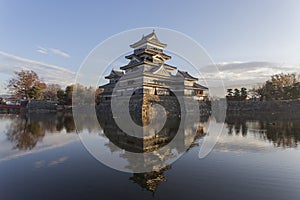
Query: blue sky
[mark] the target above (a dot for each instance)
(61, 33)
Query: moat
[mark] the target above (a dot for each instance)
(41, 156)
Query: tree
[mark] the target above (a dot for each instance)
(244, 94)
(237, 94)
(258, 92)
(98, 96)
(283, 80)
(25, 84)
(279, 87)
(50, 93)
(60, 96)
(229, 94)
(68, 94)
(295, 91)
(84, 95)
(34, 92)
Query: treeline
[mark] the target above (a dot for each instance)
(27, 85)
(237, 94)
(278, 87)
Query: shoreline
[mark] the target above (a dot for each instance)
(285, 106)
(246, 108)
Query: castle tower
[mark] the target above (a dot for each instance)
(148, 79)
(147, 67)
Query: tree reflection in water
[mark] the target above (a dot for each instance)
(25, 131)
(282, 133)
(283, 130)
(237, 125)
(25, 134)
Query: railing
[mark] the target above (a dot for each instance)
(11, 106)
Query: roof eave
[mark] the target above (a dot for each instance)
(139, 43)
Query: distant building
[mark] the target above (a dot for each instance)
(147, 73)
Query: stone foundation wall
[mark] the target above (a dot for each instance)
(41, 107)
(140, 106)
(263, 106)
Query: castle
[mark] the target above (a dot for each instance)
(147, 78)
(148, 74)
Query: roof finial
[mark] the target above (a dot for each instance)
(153, 31)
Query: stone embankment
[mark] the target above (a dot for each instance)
(291, 106)
(141, 106)
(41, 107)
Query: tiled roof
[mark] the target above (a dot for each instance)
(187, 75)
(115, 74)
(151, 38)
(118, 72)
(196, 85)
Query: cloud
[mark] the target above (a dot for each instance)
(43, 163)
(42, 50)
(58, 161)
(245, 73)
(10, 63)
(60, 53)
(240, 144)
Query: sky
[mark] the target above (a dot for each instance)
(248, 40)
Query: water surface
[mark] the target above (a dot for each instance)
(41, 157)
